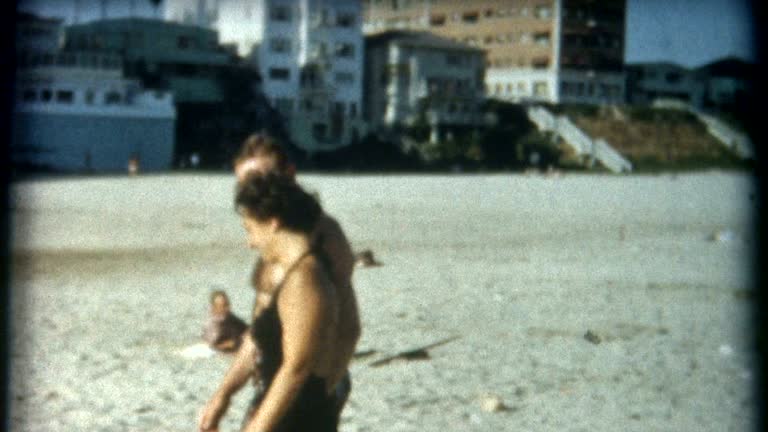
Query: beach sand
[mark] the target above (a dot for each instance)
(111, 277)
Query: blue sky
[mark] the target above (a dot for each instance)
(687, 32)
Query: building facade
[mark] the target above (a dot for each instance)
(540, 50)
(651, 82)
(77, 112)
(311, 57)
(309, 54)
(411, 74)
(186, 58)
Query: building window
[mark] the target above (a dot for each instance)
(112, 98)
(346, 78)
(65, 96)
(521, 87)
(540, 88)
(282, 74)
(543, 12)
(453, 60)
(540, 62)
(353, 109)
(470, 17)
(673, 77)
(280, 13)
(489, 13)
(280, 45)
(437, 20)
(89, 96)
(541, 39)
(346, 50)
(46, 96)
(346, 20)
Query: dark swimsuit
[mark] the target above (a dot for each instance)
(313, 409)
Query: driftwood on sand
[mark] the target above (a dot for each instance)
(419, 353)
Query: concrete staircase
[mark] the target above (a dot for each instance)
(593, 150)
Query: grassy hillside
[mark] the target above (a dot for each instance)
(652, 138)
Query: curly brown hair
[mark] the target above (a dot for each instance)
(262, 144)
(271, 195)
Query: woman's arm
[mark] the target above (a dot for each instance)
(237, 376)
(302, 307)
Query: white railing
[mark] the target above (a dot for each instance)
(597, 149)
(736, 141)
(609, 157)
(571, 133)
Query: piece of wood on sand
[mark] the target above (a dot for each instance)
(420, 353)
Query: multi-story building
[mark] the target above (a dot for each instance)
(310, 55)
(186, 57)
(411, 74)
(545, 50)
(651, 82)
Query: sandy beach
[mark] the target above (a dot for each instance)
(111, 277)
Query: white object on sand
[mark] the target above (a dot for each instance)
(199, 350)
(723, 236)
(492, 403)
(726, 350)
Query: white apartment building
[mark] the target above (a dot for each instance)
(309, 52)
(409, 71)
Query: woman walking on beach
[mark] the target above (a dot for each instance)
(296, 316)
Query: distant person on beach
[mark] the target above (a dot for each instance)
(133, 165)
(223, 331)
(294, 344)
(261, 155)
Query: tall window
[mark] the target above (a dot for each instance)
(280, 74)
(280, 45)
(345, 20)
(280, 13)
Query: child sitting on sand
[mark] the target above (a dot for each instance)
(223, 331)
